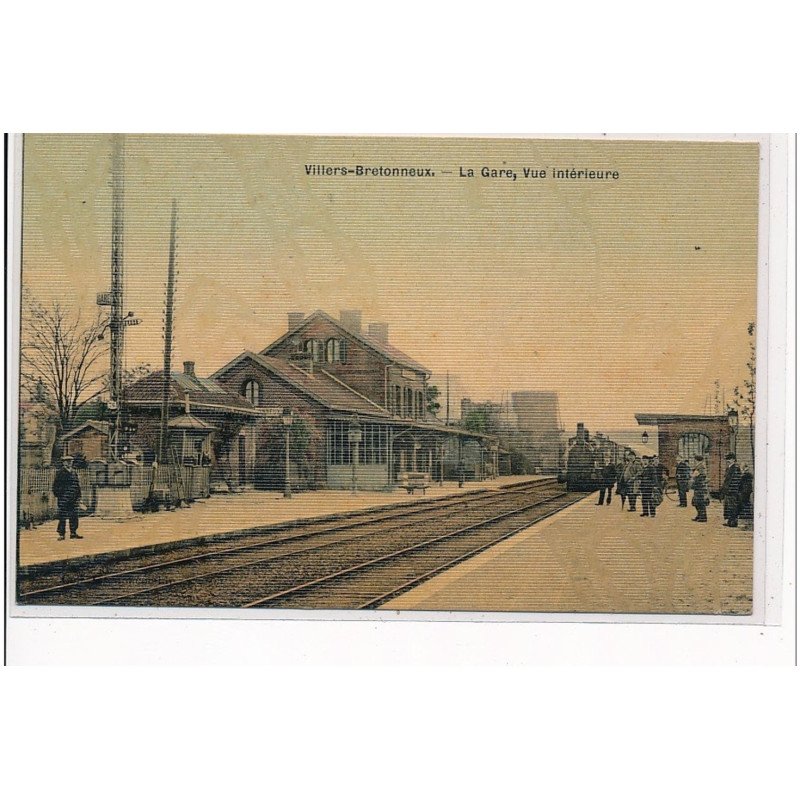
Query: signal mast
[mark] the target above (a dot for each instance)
(114, 299)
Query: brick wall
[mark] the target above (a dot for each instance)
(364, 369)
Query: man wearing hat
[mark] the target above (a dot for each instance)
(683, 477)
(700, 498)
(730, 491)
(67, 489)
(647, 485)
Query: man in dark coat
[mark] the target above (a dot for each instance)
(647, 485)
(746, 493)
(730, 491)
(683, 476)
(700, 498)
(608, 477)
(621, 488)
(67, 489)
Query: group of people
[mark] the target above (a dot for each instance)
(635, 477)
(647, 478)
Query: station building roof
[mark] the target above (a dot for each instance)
(202, 393)
(388, 351)
(317, 384)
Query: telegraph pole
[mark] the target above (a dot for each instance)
(447, 413)
(116, 325)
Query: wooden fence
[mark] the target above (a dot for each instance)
(37, 502)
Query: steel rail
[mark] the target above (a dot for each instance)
(396, 553)
(436, 506)
(386, 596)
(273, 557)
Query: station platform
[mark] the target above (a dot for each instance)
(596, 559)
(221, 513)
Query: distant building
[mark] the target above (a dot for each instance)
(38, 433)
(537, 415)
(89, 440)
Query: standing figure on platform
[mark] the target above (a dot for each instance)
(683, 477)
(67, 489)
(730, 491)
(622, 487)
(633, 479)
(608, 477)
(631, 475)
(746, 493)
(662, 476)
(647, 483)
(700, 498)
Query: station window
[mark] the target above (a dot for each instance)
(373, 448)
(332, 351)
(693, 444)
(252, 392)
(314, 348)
(338, 444)
(398, 402)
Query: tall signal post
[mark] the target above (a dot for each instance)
(115, 299)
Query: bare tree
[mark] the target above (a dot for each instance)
(65, 354)
(744, 397)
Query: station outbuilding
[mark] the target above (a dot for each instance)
(684, 436)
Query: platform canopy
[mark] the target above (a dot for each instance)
(661, 419)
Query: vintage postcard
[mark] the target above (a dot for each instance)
(412, 374)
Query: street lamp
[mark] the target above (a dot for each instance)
(354, 437)
(645, 438)
(287, 418)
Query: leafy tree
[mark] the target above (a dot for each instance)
(305, 451)
(520, 463)
(479, 420)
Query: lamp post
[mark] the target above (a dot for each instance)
(733, 421)
(287, 418)
(645, 438)
(354, 437)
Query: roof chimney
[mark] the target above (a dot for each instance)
(379, 331)
(295, 318)
(188, 368)
(351, 320)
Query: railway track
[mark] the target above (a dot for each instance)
(37, 579)
(289, 561)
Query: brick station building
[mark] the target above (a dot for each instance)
(683, 436)
(334, 375)
(207, 423)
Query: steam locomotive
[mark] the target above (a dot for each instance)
(585, 458)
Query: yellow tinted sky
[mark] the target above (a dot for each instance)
(594, 289)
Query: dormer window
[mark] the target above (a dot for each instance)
(252, 392)
(314, 348)
(333, 351)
